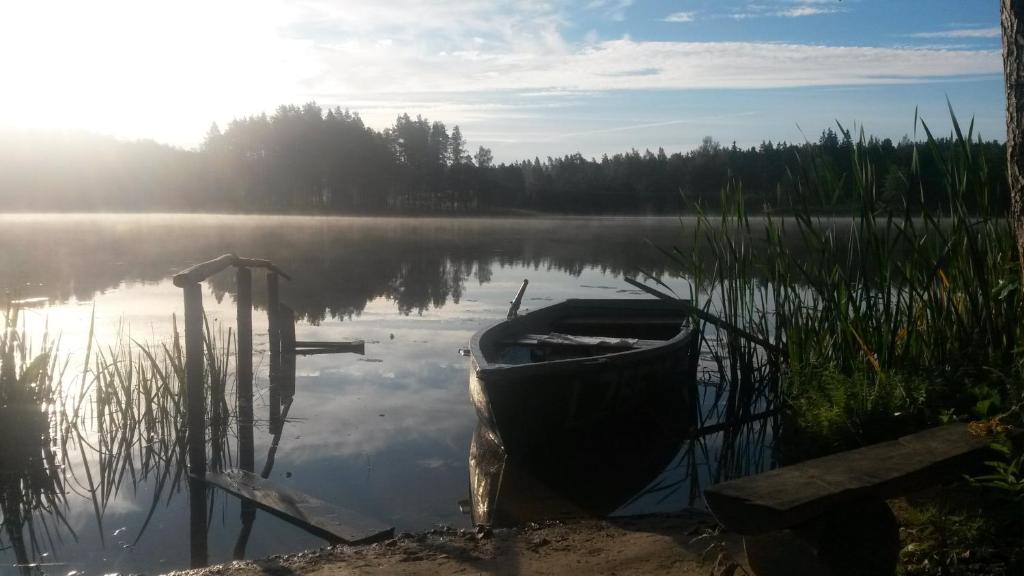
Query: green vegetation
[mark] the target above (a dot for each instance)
(31, 477)
(905, 315)
(959, 531)
(120, 424)
(305, 159)
(892, 319)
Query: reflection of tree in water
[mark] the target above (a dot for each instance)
(339, 264)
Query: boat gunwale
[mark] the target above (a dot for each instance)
(483, 366)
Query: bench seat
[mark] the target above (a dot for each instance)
(792, 495)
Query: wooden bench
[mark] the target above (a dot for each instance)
(828, 516)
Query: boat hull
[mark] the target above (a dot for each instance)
(505, 492)
(607, 400)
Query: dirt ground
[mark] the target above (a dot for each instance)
(680, 545)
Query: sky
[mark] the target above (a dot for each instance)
(525, 78)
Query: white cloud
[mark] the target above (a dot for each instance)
(800, 11)
(636, 65)
(611, 9)
(198, 62)
(993, 32)
(680, 17)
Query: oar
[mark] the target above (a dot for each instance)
(710, 318)
(513, 310)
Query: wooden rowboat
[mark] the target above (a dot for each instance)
(586, 372)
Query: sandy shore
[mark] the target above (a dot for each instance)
(681, 545)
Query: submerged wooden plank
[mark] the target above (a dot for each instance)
(330, 522)
(792, 495)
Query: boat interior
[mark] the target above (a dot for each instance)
(588, 335)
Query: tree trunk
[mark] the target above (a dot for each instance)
(1012, 16)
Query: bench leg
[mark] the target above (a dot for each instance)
(859, 539)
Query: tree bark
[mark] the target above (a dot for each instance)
(1012, 16)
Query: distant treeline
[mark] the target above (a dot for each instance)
(308, 160)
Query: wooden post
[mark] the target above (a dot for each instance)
(246, 450)
(196, 419)
(274, 337)
(246, 457)
(286, 317)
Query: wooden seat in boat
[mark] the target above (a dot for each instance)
(572, 340)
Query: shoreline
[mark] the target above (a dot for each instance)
(683, 544)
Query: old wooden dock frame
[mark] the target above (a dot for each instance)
(332, 523)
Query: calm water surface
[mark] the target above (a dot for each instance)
(386, 434)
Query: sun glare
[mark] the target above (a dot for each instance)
(136, 69)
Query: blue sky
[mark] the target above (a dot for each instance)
(525, 78)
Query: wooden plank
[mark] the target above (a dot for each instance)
(243, 371)
(203, 270)
(274, 344)
(321, 351)
(556, 339)
(286, 325)
(332, 523)
(792, 495)
(352, 346)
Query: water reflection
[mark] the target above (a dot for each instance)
(646, 473)
(386, 434)
(591, 480)
(339, 264)
(32, 486)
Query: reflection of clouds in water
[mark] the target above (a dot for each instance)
(343, 419)
(435, 463)
(407, 467)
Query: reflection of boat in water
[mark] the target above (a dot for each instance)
(563, 374)
(592, 481)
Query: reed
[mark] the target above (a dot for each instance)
(121, 426)
(894, 318)
(31, 479)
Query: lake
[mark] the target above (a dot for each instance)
(386, 434)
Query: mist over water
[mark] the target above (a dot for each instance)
(386, 434)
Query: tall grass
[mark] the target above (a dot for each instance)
(891, 319)
(31, 478)
(912, 317)
(122, 426)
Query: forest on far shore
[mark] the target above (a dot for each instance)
(304, 159)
